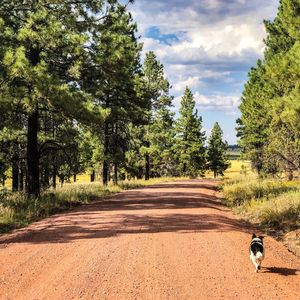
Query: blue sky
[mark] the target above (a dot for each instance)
(209, 45)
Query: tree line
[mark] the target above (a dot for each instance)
(75, 97)
(269, 128)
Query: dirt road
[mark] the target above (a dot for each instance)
(169, 241)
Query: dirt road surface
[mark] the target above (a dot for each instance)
(168, 241)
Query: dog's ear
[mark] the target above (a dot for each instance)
(253, 235)
(261, 237)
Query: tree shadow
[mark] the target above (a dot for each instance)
(198, 184)
(132, 212)
(64, 230)
(281, 271)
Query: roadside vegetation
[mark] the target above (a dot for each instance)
(272, 204)
(76, 98)
(269, 131)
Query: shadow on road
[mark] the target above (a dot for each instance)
(149, 210)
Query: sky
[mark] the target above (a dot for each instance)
(208, 45)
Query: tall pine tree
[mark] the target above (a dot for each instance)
(216, 152)
(190, 139)
(268, 127)
(42, 50)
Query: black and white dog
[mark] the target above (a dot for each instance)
(257, 251)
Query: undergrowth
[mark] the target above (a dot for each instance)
(273, 204)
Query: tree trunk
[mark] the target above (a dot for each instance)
(115, 173)
(215, 174)
(106, 150)
(140, 173)
(93, 176)
(147, 167)
(184, 168)
(54, 176)
(33, 155)
(21, 178)
(147, 163)
(33, 170)
(47, 178)
(75, 177)
(105, 173)
(15, 176)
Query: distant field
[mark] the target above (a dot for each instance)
(238, 167)
(234, 155)
(81, 178)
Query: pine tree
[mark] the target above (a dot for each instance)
(114, 79)
(216, 152)
(159, 131)
(189, 145)
(255, 119)
(268, 127)
(43, 46)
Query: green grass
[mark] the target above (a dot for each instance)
(281, 213)
(241, 192)
(272, 204)
(17, 211)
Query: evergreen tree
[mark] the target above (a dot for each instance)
(43, 46)
(189, 144)
(114, 80)
(255, 119)
(159, 132)
(268, 127)
(216, 152)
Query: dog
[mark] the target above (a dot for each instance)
(257, 251)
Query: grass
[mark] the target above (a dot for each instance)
(242, 192)
(281, 213)
(17, 211)
(238, 168)
(272, 204)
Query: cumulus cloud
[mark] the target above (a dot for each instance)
(216, 102)
(220, 102)
(209, 36)
(208, 45)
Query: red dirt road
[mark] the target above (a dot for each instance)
(169, 241)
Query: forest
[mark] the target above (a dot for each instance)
(269, 127)
(76, 96)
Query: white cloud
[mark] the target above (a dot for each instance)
(219, 102)
(218, 41)
(226, 103)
